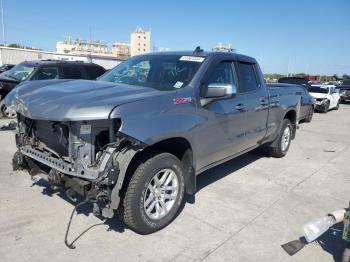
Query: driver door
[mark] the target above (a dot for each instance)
(223, 135)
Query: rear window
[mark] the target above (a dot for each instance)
(318, 89)
(72, 72)
(94, 71)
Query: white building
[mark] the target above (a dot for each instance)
(9, 55)
(223, 48)
(121, 50)
(140, 42)
(80, 46)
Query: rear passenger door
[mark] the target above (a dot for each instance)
(256, 103)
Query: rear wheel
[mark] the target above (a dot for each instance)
(309, 115)
(281, 145)
(154, 194)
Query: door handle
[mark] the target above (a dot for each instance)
(264, 102)
(240, 107)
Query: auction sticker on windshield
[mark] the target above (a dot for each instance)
(192, 58)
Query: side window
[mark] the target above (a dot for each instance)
(247, 77)
(72, 72)
(46, 73)
(94, 71)
(222, 74)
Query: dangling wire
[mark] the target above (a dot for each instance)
(71, 246)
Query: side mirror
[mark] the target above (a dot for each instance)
(217, 90)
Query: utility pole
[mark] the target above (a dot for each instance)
(2, 23)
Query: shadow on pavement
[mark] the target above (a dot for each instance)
(216, 173)
(115, 224)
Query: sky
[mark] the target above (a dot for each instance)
(284, 36)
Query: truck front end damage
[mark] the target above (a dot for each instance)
(89, 158)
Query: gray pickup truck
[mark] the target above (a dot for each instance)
(134, 140)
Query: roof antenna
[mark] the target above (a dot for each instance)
(197, 50)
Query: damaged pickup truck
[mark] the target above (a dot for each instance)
(134, 140)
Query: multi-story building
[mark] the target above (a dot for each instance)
(223, 48)
(121, 50)
(82, 47)
(140, 42)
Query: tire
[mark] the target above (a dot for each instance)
(136, 210)
(326, 107)
(309, 115)
(5, 112)
(280, 146)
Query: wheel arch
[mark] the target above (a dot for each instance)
(179, 147)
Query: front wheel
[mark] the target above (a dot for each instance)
(326, 107)
(154, 194)
(280, 146)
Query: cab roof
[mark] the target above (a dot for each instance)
(207, 54)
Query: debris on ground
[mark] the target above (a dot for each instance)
(10, 126)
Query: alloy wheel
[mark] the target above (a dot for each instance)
(161, 194)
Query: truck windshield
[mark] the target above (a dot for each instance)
(318, 89)
(162, 72)
(19, 72)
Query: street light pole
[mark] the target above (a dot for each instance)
(2, 22)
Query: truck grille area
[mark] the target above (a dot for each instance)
(70, 147)
(54, 135)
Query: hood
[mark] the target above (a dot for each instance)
(4, 78)
(61, 100)
(319, 95)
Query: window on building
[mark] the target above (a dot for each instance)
(144, 50)
(247, 77)
(139, 49)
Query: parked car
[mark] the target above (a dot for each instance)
(44, 70)
(344, 90)
(5, 67)
(327, 97)
(307, 102)
(135, 140)
(294, 80)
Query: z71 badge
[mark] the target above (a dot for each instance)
(182, 100)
